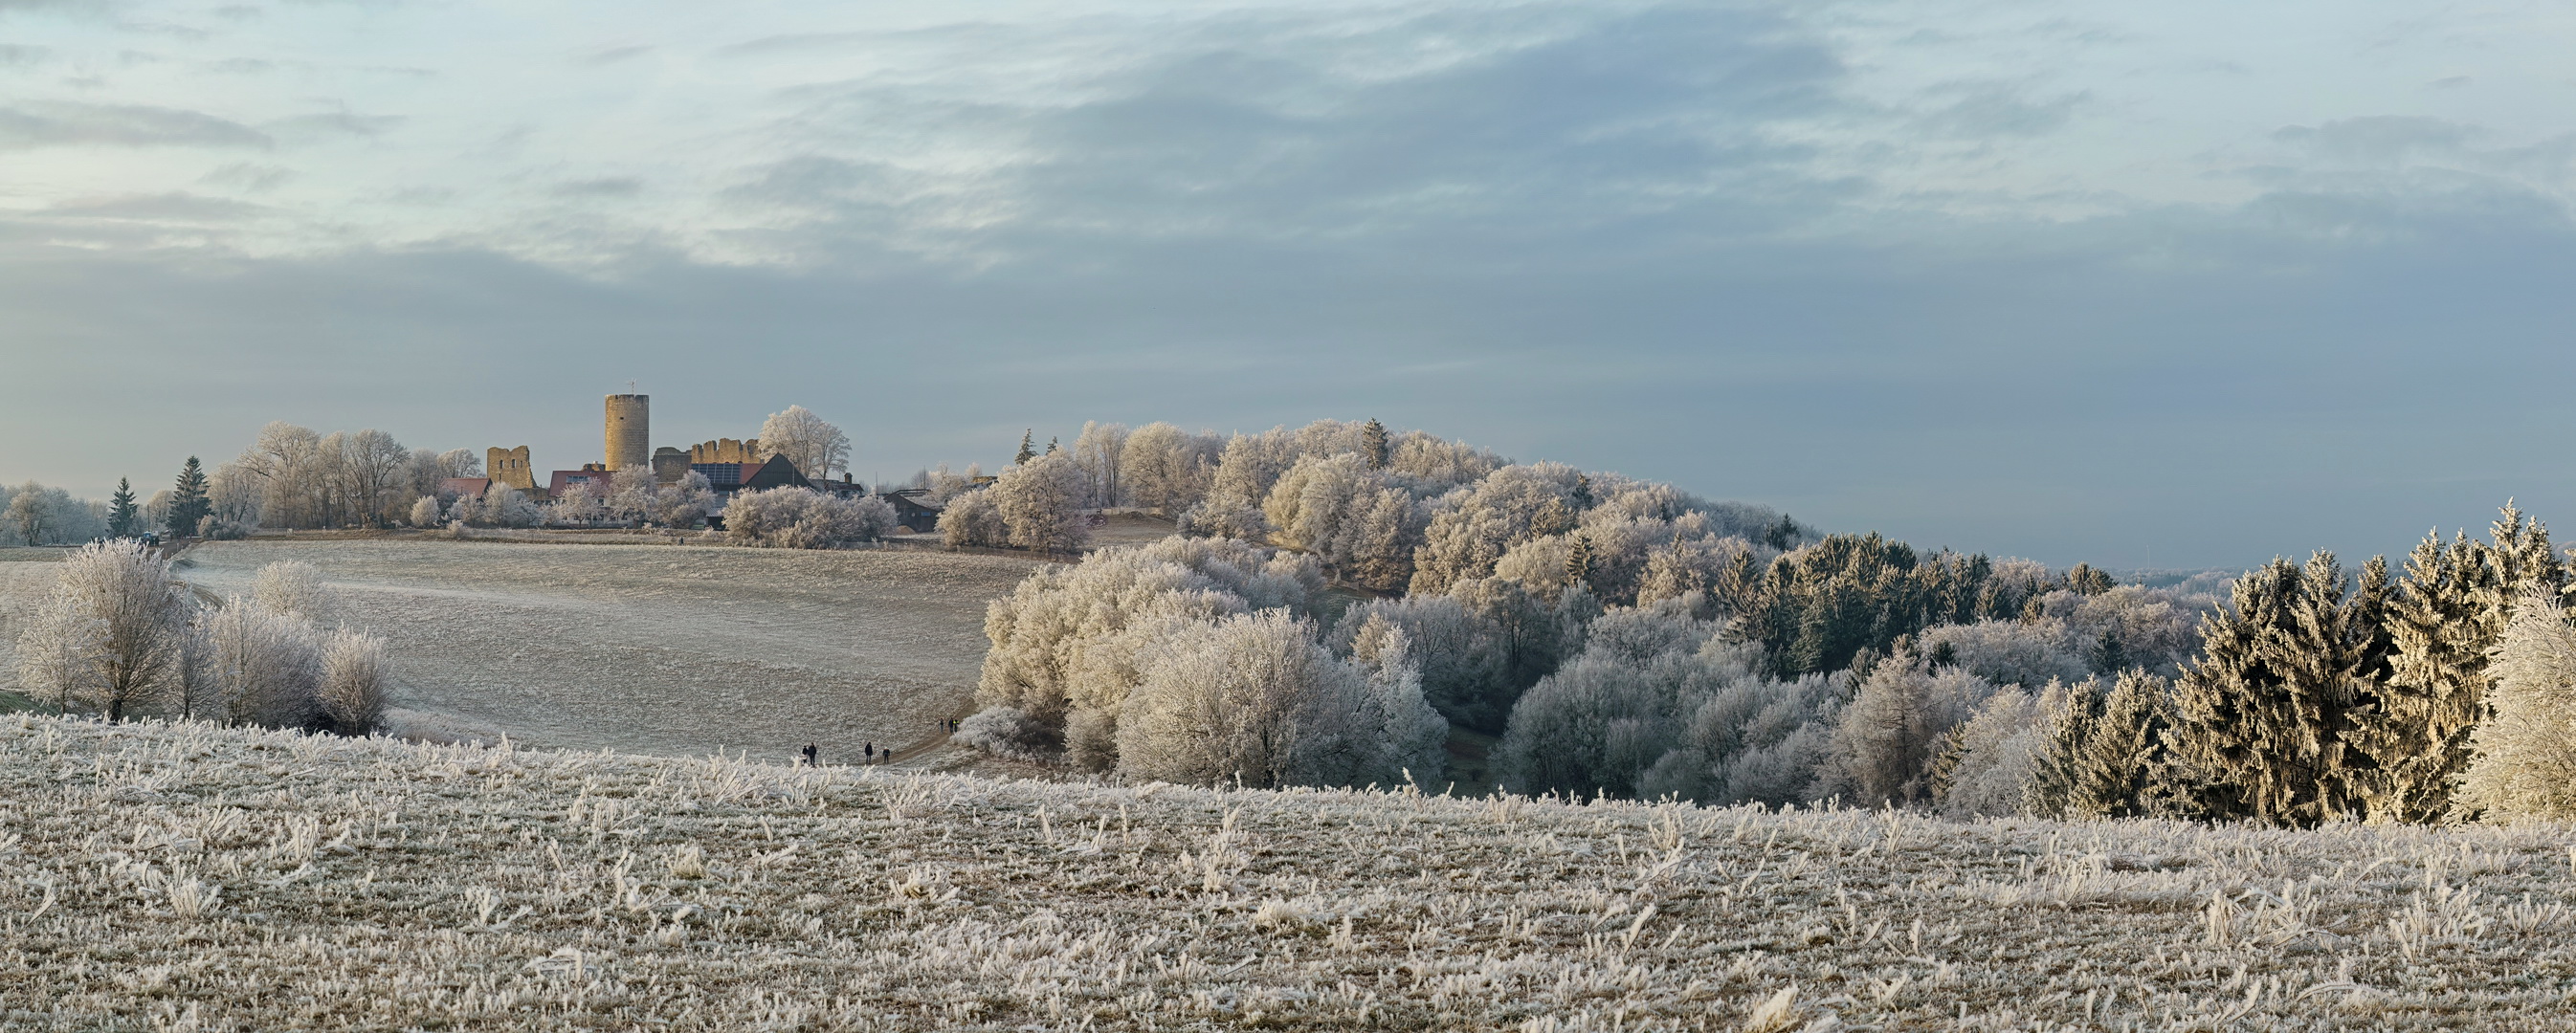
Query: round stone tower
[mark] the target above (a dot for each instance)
(630, 438)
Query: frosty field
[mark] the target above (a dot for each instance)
(659, 649)
(160, 877)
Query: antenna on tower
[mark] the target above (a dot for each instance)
(630, 387)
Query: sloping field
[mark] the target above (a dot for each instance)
(160, 877)
(661, 649)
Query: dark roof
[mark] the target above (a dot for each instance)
(563, 479)
(474, 486)
(778, 472)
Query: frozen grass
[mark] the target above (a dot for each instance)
(168, 877)
(659, 649)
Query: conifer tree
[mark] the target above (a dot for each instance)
(1578, 562)
(1373, 444)
(2444, 625)
(1053, 447)
(188, 503)
(1028, 447)
(2086, 579)
(2105, 756)
(124, 518)
(2263, 722)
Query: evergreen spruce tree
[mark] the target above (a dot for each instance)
(2105, 756)
(2264, 721)
(1578, 562)
(1373, 444)
(2444, 625)
(188, 503)
(124, 518)
(1028, 447)
(1052, 447)
(2086, 579)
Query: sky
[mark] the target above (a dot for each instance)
(2165, 285)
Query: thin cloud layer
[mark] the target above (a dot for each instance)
(2175, 285)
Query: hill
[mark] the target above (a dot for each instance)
(168, 876)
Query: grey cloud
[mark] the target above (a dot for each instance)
(249, 176)
(1984, 110)
(159, 208)
(19, 55)
(613, 55)
(338, 123)
(2384, 139)
(605, 186)
(59, 124)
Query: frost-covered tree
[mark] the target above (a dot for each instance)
(1986, 766)
(1374, 446)
(1467, 534)
(2028, 653)
(1601, 722)
(28, 517)
(188, 503)
(287, 461)
(1887, 741)
(425, 512)
(236, 495)
(356, 674)
(262, 667)
(972, 518)
(373, 469)
(2445, 621)
(1098, 451)
(579, 504)
(2104, 752)
(1166, 469)
(109, 637)
(789, 517)
(296, 588)
(1361, 528)
(1459, 653)
(818, 448)
(1041, 504)
(1253, 699)
(505, 506)
(1067, 642)
(1028, 447)
(2266, 719)
(2525, 749)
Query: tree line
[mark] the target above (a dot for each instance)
(1626, 638)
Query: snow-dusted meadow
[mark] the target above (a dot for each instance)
(159, 877)
(662, 649)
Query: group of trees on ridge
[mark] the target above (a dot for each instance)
(293, 477)
(1624, 638)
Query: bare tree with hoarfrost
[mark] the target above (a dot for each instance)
(1337, 507)
(818, 448)
(801, 518)
(505, 506)
(1255, 700)
(110, 634)
(355, 676)
(2524, 762)
(262, 667)
(973, 519)
(1098, 451)
(425, 512)
(296, 588)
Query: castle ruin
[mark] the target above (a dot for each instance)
(629, 431)
(726, 450)
(509, 466)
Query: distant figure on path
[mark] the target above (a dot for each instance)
(872, 752)
(813, 756)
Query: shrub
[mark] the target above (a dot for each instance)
(110, 637)
(1010, 733)
(355, 670)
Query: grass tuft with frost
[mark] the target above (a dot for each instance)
(163, 877)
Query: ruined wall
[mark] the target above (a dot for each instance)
(629, 431)
(510, 466)
(726, 450)
(669, 464)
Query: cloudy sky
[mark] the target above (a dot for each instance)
(2174, 284)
